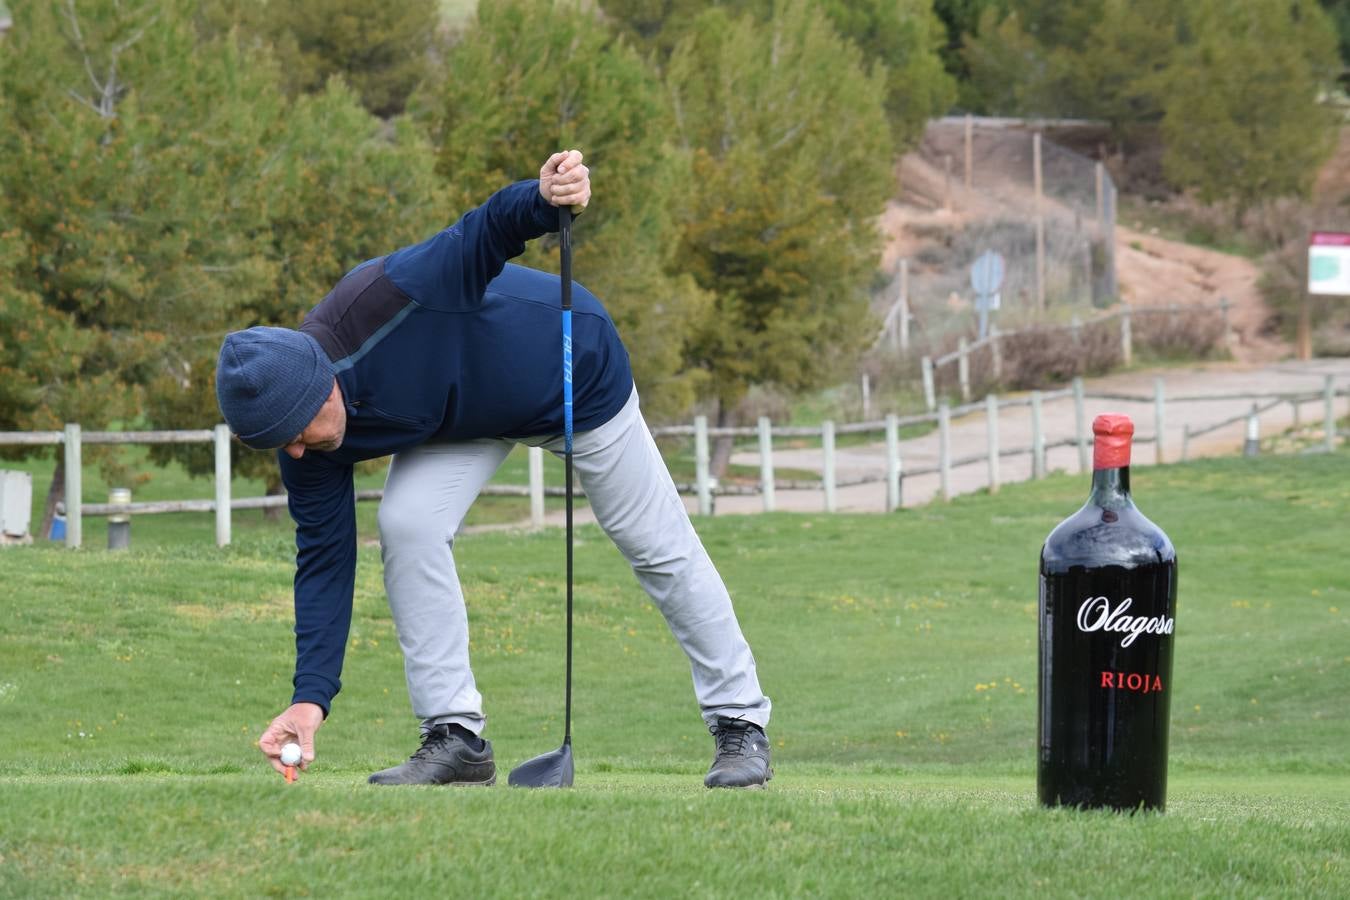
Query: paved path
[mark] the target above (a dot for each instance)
(970, 435)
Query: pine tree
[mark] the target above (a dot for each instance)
(1242, 119)
(791, 166)
(530, 77)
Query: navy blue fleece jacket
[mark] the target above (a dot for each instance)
(440, 341)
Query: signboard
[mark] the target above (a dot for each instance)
(1329, 263)
(986, 277)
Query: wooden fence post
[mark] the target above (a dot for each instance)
(963, 368)
(904, 306)
(991, 414)
(536, 460)
(1159, 418)
(893, 496)
(827, 446)
(1329, 412)
(1040, 225)
(1126, 338)
(945, 449)
(766, 462)
(866, 396)
(1252, 446)
(1080, 424)
(701, 476)
(74, 487)
(223, 511)
(970, 151)
(929, 394)
(1037, 437)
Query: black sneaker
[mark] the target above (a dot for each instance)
(445, 757)
(742, 758)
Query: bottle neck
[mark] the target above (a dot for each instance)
(1111, 488)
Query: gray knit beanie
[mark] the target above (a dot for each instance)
(271, 383)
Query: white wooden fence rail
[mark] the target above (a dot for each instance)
(705, 487)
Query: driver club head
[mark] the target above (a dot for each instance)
(552, 769)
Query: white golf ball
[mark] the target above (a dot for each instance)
(290, 755)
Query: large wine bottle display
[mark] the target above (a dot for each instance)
(1108, 590)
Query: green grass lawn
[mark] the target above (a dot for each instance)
(900, 652)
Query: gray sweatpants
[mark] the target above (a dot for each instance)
(426, 496)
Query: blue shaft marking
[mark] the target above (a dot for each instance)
(567, 378)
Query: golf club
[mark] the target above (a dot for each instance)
(555, 769)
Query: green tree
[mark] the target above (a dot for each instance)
(382, 50)
(904, 36)
(791, 165)
(1242, 120)
(530, 77)
(159, 190)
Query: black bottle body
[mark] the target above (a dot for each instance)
(1108, 588)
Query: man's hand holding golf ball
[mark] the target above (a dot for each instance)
(296, 725)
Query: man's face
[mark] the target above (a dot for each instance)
(327, 429)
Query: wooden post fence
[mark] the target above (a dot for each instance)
(221, 440)
(893, 497)
(701, 477)
(827, 450)
(991, 413)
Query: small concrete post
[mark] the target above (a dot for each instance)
(1159, 419)
(827, 447)
(991, 414)
(1080, 424)
(701, 477)
(1037, 437)
(766, 463)
(929, 394)
(945, 449)
(1252, 446)
(894, 498)
(963, 368)
(221, 440)
(74, 487)
(535, 456)
(119, 524)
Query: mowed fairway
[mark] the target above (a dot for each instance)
(900, 652)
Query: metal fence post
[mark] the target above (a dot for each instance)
(221, 439)
(1126, 339)
(1159, 418)
(1329, 412)
(74, 487)
(536, 461)
(996, 351)
(1037, 438)
(701, 476)
(929, 394)
(963, 368)
(893, 497)
(827, 446)
(945, 449)
(766, 462)
(1080, 424)
(991, 414)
